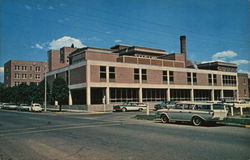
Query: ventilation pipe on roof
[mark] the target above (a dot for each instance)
(183, 47)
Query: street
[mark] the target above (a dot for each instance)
(72, 136)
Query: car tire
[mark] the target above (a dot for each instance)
(197, 121)
(164, 118)
(140, 109)
(124, 109)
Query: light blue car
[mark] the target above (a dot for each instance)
(197, 113)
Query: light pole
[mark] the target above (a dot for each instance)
(45, 92)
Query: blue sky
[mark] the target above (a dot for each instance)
(215, 29)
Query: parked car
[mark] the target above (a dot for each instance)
(36, 107)
(10, 106)
(197, 113)
(132, 106)
(164, 105)
(24, 107)
(1, 105)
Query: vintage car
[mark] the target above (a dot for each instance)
(197, 113)
(36, 107)
(24, 107)
(164, 105)
(10, 106)
(132, 106)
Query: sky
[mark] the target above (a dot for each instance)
(215, 29)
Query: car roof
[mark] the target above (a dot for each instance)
(195, 103)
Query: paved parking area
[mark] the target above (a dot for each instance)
(25, 135)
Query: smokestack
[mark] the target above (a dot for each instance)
(183, 44)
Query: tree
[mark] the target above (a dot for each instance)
(40, 92)
(60, 91)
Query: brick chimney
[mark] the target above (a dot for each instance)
(183, 48)
(183, 44)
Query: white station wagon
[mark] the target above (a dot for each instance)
(197, 113)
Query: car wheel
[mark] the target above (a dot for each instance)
(197, 121)
(124, 109)
(140, 109)
(164, 119)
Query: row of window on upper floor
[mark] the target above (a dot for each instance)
(25, 76)
(25, 68)
(228, 80)
(18, 83)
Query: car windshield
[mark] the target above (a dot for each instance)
(24, 105)
(218, 107)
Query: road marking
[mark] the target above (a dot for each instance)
(64, 128)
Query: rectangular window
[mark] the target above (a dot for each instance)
(189, 77)
(24, 68)
(30, 76)
(194, 78)
(24, 76)
(171, 77)
(165, 76)
(144, 74)
(112, 73)
(136, 74)
(30, 68)
(215, 79)
(210, 79)
(229, 80)
(38, 69)
(37, 76)
(102, 72)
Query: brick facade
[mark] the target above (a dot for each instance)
(17, 72)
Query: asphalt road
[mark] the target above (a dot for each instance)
(114, 136)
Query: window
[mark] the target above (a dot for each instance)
(102, 72)
(229, 80)
(38, 69)
(62, 56)
(111, 72)
(210, 79)
(24, 68)
(24, 76)
(30, 68)
(215, 79)
(136, 74)
(37, 76)
(165, 76)
(189, 77)
(30, 76)
(17, 68)
(194, 78)
(17, 76)
(245, 92)
(144, 74)
(171, 76)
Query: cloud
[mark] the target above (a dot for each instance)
(244, 71)
(39, 46)
(51, 7)
(240, 61)
(1, 69)
(65, 41)
(117, 41)
(27, 7)
(224, 55)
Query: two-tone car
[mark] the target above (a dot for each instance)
(197, 113)
(132, 106)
